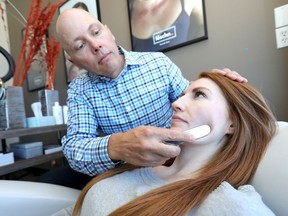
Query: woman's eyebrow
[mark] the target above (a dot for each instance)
(201, 88)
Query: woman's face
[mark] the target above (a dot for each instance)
(202, 103)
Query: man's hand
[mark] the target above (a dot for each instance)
(145, 145)
(231, 74)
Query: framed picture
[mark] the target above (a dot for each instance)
(167, 24)
(92, 6)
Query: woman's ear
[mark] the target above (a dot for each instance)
(231, 129)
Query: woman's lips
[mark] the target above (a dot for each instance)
(176, 118)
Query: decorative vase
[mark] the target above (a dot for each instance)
(12, 108)
(47, 99)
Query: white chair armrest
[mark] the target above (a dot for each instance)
(33, 198)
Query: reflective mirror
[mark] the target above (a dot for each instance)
(6, 75)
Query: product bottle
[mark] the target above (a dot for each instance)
(65, 114)
(57, 113)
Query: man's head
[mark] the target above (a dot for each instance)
(89, 43)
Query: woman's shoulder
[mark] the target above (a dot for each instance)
(227, 200)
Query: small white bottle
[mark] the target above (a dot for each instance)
(57, 113)
(65, 114)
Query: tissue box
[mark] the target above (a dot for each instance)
(27, 150)
(40, 121)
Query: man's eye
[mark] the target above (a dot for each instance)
(96, 32)
(80, 46)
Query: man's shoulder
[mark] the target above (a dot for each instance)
(81, 82)
(148, 54)
(133, 57)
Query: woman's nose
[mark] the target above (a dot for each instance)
(178, 105)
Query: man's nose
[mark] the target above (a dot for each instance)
(95, 46)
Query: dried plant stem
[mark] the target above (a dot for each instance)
(38, 22)
(53, 48)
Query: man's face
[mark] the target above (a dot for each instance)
(89, 43)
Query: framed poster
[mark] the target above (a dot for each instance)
(166, 24)
(92, 6)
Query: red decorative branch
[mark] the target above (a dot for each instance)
(37, 26)
(53, 48)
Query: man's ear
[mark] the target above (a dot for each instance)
(70, 60)
(68, 57)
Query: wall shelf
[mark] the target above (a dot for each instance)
(10, 133)
(26, 163)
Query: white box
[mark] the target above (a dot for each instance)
(6, 158)
(49, 149)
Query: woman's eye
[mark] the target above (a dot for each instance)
(199, 94)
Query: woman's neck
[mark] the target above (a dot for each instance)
(191, 159)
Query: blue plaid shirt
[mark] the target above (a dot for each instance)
(141, 95)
